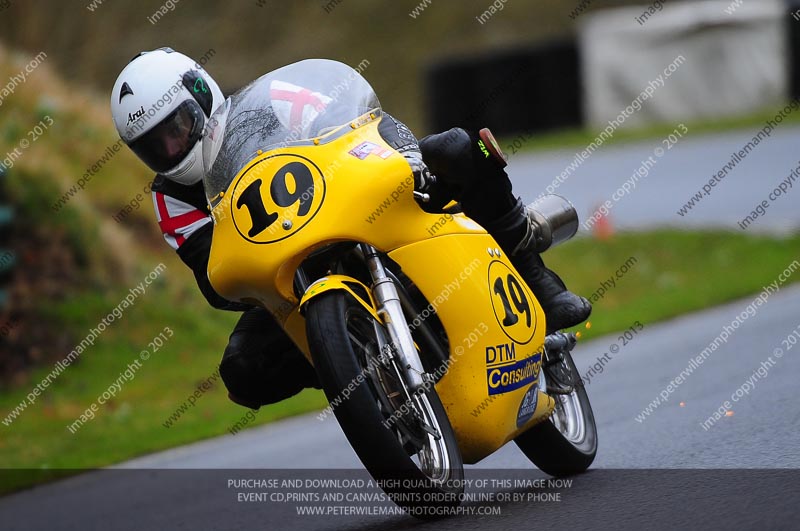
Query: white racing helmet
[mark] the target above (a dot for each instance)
(160, 104)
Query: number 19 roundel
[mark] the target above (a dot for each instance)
(512, 302)
(277, 197)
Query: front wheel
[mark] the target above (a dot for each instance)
(403, 439)
(566, 443)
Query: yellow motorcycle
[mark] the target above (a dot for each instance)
(429, 345)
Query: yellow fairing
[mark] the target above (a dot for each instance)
(458, 275)
(288, 202)
(368, 200)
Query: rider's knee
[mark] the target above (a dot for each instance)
(255, 375)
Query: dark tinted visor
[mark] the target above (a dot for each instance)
(168, 143)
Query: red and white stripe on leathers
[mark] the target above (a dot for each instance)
(178, 220)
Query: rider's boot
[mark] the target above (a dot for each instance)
(474, 163)
(514, 232)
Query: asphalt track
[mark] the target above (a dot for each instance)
(659, 192)
(665, 472)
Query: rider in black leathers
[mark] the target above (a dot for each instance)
(261, 365)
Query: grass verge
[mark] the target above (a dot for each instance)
(666, 273)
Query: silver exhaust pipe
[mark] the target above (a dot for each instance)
(555, 221)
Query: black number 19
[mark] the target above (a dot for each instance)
(517, 297)
(279, 190)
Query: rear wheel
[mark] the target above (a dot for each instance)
(403, 439)
(566, 443)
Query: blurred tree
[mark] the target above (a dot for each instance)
(7, 258)
(252, 37)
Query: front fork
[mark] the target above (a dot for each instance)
(391, 311)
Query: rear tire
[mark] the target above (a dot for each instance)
(566, 443)
(344, 340)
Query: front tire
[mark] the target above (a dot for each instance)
(403, 440)
(566, 443)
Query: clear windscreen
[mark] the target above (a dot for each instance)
(290, 106)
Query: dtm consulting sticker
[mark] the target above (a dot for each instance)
(504, 372)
